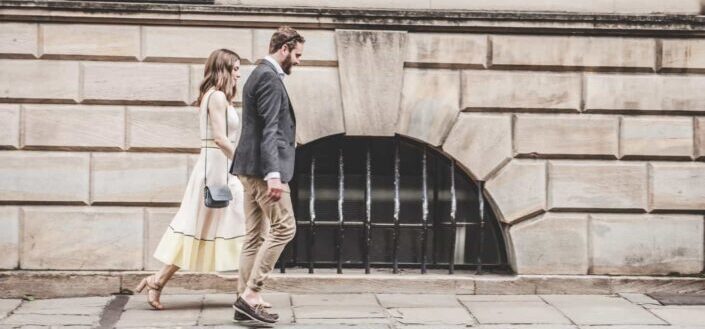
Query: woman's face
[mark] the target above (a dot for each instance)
(236, 71)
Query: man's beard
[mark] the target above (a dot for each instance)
(286, 65)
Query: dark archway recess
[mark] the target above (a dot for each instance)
(369, 202)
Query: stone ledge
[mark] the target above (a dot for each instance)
(52, 284)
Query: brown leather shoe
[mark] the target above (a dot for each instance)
(242, 317)
(256, 313)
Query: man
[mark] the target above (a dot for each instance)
(264, 162)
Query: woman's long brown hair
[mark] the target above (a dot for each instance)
(218, 74)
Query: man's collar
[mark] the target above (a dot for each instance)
(276, 65)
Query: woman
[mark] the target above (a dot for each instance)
(205, 239)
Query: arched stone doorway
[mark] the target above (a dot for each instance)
(389, 202)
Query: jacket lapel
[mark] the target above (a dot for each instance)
(274, 69)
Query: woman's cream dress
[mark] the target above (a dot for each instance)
(202, 239)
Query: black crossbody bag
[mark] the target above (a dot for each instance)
(215, 196)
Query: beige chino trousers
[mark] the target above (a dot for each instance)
(269, 226)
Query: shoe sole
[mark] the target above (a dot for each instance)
(251, 317)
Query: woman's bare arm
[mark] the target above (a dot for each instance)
(218, 105)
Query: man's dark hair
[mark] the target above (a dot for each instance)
(285, 35)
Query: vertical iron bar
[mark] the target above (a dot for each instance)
(435, 218)
(481, 199)
(454, 226)
(312, 211)
(424, 214)
(341, 186)
(395, 232)
(368, 209)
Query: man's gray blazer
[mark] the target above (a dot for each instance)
(268, 138)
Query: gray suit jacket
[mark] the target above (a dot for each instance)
(267, 140)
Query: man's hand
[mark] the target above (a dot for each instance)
(274, 189)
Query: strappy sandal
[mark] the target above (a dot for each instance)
(154, 291)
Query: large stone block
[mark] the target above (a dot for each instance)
(567, 135)
(430, 104)
(90, 41)
(631, 92)
(683, 54)
(82, 238)
(159, 127)
(18, 39)
(677, 186)
(520, 90)
(365, 54)
(44, 177)
(138, 178)
(447, 49)
(565, 252)
(573, 51)
(656, 137)
(699, 137)
(193, 44)
(319, 48)
(9, 237)
(39, 80)
(597, 185)
(646, 244)
(158, 220)
(9, 126)
(197, 72)
(136, 83)
(74, 126)
(315, 95)
(481, 142)
(583, 6)
(518, 190)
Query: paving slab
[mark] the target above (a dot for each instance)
(50, 320)
(180, 310)
(499, 298)
(682, 315)
(338, 312)
(639, 299)
(334, 300)
(7, 306)
(679, 299)
(516, 313)
(417, 300)
(528, 326)
(334, 326)
(66, 306)
(170, 302)
(601, 310)
(348, 322)
(432, 315)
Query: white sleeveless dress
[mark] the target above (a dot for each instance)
(199, 238)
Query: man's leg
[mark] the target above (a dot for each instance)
(255, 231)
(282, 230)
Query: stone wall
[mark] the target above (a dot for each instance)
(591, 145)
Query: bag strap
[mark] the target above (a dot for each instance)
(205, 162)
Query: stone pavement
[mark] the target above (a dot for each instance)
(624, 311)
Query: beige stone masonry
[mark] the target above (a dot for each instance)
(566, 135)
(9, 237)
(163, 128)
(319, 48)
(53, 81)
(82, 238)
(157, 222)
(481, 142)
(648, 136)
(141, 83)
(44, 177)
(597, 185)
(518, 190)
(138, 178)
(18, 39)
(447, 49)
(73, 126)
(646, 244)
(95, 41)
(430, 104)
(573, 52)
(683, 55)
(9, 126)
(644, 92)
(520, 90)
(193, 44)
(365, 54)
(315, 94)
(677, 186)
(552, 243)
(700, 138)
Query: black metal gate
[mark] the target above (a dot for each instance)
(388, 202)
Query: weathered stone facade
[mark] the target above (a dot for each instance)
(590, 137)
